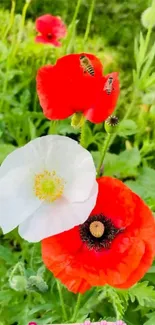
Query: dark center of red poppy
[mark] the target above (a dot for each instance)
(112, 120)
(98, 232)
(49, 36)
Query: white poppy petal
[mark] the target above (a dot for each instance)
(17, 199)
(64, 177)
(33, 151)
(49, 220)
(75, 164)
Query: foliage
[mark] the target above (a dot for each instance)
(28, 289)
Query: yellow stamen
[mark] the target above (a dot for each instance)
(97, 229)
(48, 186)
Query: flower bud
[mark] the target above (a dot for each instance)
(18, 282)
(77, 120)
(148, 18)
(36, 283)
(111, 124)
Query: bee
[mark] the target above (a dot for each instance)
(86, 65)
(109, 85)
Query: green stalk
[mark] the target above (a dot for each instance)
(76, 12)
(82, 135)
(36, 95)
(22, 24)
(77, 306)
(103, 153)
(127, 114)
(131, 106)
(61, 300)
(90, 14)
(11, 20)
(71, 29)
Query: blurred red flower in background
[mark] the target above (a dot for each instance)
(114, 246)
(76, 84)
(50, 29)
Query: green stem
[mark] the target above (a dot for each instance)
(24, 11)
(21, 29)
(72, 29)
(77, 306)
(11, 19)
(90, 14)
(76, 12)
(82, 135)
(131, 106)
(36, 95)
(19, 266)
(61, 300)
(127, 114)
(104, 150)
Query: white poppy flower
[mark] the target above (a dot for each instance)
(46, 187)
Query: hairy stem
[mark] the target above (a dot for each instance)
(82, 135)
(61, 301)
(103, 153)
(90, 14)
(11, 21)
(72, 29)
(77, 306)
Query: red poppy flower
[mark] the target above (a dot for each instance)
(50, 29)
(114, 246)
(76, 84)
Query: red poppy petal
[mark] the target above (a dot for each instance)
(105, 103)
(55, 42)
(64, 90)
(129, 256)
(50, 24)
(57, 262)
(116, 201)
(43, 24)
(42, 39)
(70, 64)
(58, 27)
(139, 272)
(55, 103)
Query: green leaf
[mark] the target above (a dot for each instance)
(149, 81)
(123, 165)
(6, 255)
(127, 127)
(5, 296)
(149, 98)
(143, 293)
(144, 186)
(118, 300)
(149, 61)
(151, 320)
(5, 149)
(152, 268)
(96, 156)
(32, 129)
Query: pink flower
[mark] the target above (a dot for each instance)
(50, 29)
